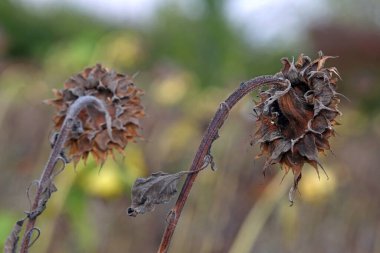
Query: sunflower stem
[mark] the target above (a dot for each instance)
(47, 175)
(209, 136)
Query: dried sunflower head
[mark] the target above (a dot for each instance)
(296, 119)
(89, 133)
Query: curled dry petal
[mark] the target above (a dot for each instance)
(90, 134)
(295, 122)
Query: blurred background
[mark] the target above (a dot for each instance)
(190, 55)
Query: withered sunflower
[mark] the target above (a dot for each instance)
(296, 119)
(89, 135)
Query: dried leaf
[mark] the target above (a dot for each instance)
(48, 190)
(294, 188)
(159, 188)
(12, 240)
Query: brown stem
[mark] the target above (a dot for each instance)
(204, 148)
(55, 155)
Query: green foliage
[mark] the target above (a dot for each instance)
(7, 220)
(82, 227)
(206, 44)
(30, 34)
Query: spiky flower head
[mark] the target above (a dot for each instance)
(90, 134)
(296, 119)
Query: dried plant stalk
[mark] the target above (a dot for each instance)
(98, 110)
(203, 152)
(296, 116)
(45, 184)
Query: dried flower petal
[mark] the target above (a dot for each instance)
(89, 134)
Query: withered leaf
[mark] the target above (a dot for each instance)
(12, 240)
(294, 188)
(159, 188)
(48, 190)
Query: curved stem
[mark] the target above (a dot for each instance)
(204, 148)
(47, 174)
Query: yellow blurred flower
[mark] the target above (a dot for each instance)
(313, 189)
(113, 178)
(184, 132)
(106, 183)
(172, 89)
(119, 48)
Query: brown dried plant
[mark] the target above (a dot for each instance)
(90, 135)
(296, 120)
(98, 110)
(296, 116)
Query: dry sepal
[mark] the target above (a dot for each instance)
(295, 120)
(122, 100)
